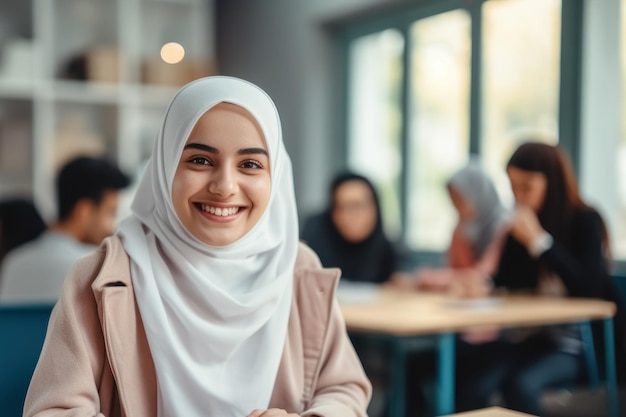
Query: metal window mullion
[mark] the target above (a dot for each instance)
(342, 125)
(570, 80)
(405, 130)
(475, 101)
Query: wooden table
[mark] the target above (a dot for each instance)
(403, 316)
(491, 412)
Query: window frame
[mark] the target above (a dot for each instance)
(401, 19)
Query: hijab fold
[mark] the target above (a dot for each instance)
(215, 317)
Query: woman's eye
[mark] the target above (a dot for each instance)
(198, 160)
(251, 164)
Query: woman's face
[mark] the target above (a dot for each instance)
(529, 187)
(222, 183)
(463, 206)
(354, 212)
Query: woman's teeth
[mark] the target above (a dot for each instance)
(219, 211)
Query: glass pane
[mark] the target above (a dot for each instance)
(439, 127)
(520, 78)
(374, 118)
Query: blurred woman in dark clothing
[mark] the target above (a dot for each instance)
(349, 234)
(554, 232)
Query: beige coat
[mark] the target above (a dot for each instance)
(96, 360)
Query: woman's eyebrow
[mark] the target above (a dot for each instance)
(251, 151)
(202, 147)
(211, 149)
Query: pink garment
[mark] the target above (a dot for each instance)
(462, 267)
(460, 251)
(466, 276)
(96, 360)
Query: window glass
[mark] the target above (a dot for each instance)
(438, 123)
(375, 117)
(520, 78)
(519, 93)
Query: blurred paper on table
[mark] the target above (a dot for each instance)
(351, 292)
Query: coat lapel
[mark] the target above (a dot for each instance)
(127, 347)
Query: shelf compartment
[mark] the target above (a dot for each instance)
(83, 130)
(16, 146)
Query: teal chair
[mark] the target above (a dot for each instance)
(22, 332)
(619, 285)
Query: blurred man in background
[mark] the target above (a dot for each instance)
(87, 197)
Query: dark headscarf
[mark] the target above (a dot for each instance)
(371, 260)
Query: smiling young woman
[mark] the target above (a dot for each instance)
(204, 303)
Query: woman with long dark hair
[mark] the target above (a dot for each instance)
(554, 230)
(557, 246)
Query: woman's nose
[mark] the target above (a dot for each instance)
(223, 182)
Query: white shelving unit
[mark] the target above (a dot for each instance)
(110, 102)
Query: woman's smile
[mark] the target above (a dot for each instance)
(219, 213)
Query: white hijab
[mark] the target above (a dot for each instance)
(215, 317)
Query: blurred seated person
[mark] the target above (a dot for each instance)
(557, 246)
(20, 222)
(477, 238)
(472, 257)
(349, 234)
(87, 196)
